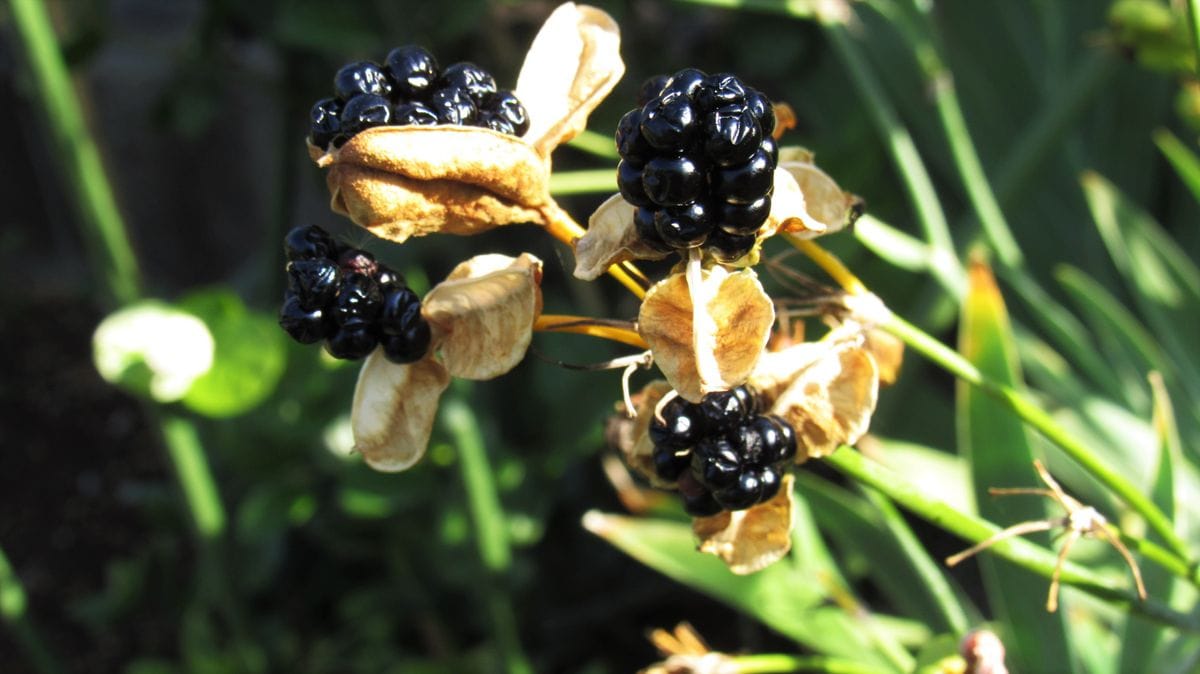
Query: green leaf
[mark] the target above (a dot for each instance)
(788, 602)
(249, 359)
(1142, 637)
(1185, 162)
(893, 246)
(1164, 283)
(1000, 452)
(931, 470)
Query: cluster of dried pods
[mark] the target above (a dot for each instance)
(709, 326)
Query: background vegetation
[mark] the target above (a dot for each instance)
(229, 532)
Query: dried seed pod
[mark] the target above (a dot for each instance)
(750, 540)
(825, 202)
(394, 409)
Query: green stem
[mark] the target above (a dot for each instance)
(491, 535)
(771, 663)
(13, 605)
(194, 476)
(105, 232)
(1194, 24)
(932, 576)
(1017, 550)
(944, 263)
(596, 144)
(588, 181)
(1035, 416)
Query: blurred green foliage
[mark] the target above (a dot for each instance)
(306, 561)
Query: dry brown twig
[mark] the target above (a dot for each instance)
(1080, 521)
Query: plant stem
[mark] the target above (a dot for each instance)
(588, 181)
(583, 325)
(491, 531)
(1017, 550)
(944, 263)
(194, 476)
(105, 232)
(1035, 416)
(13, 606)
(771, 663)
(597, 144)
(1194, 23)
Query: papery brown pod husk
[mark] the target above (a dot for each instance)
(831, 401)
(825, 202)
(750, 540)
(722, 352)
(573, 63)
(394, 408)
(888, 352)
(482, 315)
(636, 447)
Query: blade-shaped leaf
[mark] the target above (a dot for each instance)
(1000, 452)
(1185, 162)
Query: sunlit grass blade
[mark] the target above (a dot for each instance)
(1142, 638)
(892, 245)
(1183, 159)
(588, 181)
(1000, 453)
(597, 144)
(785, 601)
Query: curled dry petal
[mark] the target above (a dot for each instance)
(394, 408)
(482, 315)
(611, 238)
(736, 322)
(750, 540)
(400, 182)
(888, 352)
(824, 201)
(571, 66)
(831, 401)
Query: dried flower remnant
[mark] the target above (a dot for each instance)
(686, 653)
(750, 540)
(983, 652)
(404, 181)
(481, 318)
(1079, 521)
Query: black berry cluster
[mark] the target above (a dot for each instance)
(343, 296)
(409, 88)
(721, 453)
(698, 161)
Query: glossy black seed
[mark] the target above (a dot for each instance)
(352, 341)
(388, 278)
(687, 82)
(416, 114)
(629, 183)
(413, 70)
(744, 183)
(314, 282)
(324, 122)
(400, 312)
(749, 444)
(770, 480)
(669, 123)
(651, 88)
(682, 227)
(701, 505)
(669, 463)
(763, 111)
(630, 143)
(771, 148)
(358, 301)
(408, 347)
(304, 326)
(365, 111)
(731, 135)
(716, 463)
(356, 261)
(725, 410)
(728, 248)
(720, 89)
(453, 106)
(643, 222)
(308, 242)
(477, 82)
(680, 428)
(778, 445)
(363, 77)
(743, 493)
(746, 399)
(743, 219)
(504, 105)
(672, 181)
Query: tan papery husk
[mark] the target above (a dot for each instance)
(750, 540)
(482, 315)
(611, 238)
(831, 401)
(824, 201)
(394, 409)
